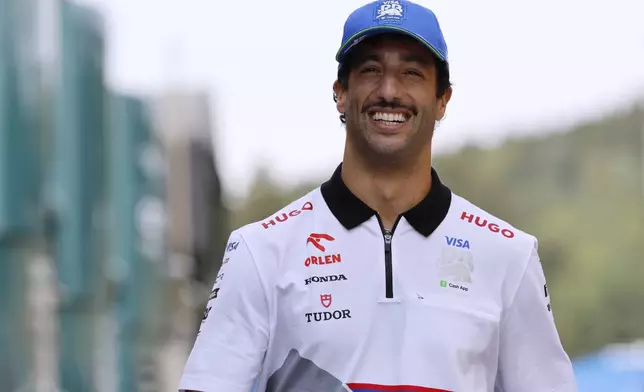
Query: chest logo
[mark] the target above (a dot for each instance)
(308, 206)
(316, 239)
(324, 279)
(457, 242)
(326, 300)
(455, 267)
(482, 222)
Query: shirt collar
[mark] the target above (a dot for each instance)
(352, 212)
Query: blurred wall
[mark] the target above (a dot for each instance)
(198, 220)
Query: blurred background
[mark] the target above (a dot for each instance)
(136, 134)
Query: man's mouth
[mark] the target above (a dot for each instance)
(389, 119)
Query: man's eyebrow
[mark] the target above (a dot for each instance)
(363, 58)
(408, 58)
(414, 58)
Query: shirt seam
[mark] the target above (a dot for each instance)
(261, 281)
(521, 280)
(259, 276)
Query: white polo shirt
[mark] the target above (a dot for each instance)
(319, 297)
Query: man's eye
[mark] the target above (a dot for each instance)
(414, 72)
(369, 70)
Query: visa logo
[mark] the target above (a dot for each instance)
(457, 242)
(232, 246)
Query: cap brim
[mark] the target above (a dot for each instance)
(361, 35)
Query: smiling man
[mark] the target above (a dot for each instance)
(382, 279)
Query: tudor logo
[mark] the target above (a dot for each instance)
(326, 316)
(323, 279)
(326, 300)
(493, 227)
(308, 206)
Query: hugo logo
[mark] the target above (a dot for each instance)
(493, 227)
(308, 206)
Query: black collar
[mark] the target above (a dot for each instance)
(352, 212)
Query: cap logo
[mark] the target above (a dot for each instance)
(390, 11)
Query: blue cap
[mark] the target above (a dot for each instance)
(393, 16)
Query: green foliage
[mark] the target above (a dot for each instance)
(265, 197)
(580, 192)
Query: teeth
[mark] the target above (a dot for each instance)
(390, 117)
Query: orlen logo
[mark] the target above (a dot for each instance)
(315, 239)
(493, 227)
(308, 206)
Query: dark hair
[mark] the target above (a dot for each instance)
(442, 78)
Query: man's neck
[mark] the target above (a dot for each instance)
(390, 192)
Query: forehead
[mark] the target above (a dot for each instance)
(393, 45)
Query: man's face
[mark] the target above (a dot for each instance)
(390, 104)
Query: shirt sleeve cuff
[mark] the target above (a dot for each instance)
(205, 384)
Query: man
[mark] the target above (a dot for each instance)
(382, 279)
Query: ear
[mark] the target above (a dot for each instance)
(442, 104)
(339, 95)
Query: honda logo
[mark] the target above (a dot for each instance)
(323, 279)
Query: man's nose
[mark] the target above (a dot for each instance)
(390, 88)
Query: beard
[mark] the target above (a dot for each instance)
(395, 151)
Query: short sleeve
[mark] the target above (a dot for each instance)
(531, 357)
(230, 347)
